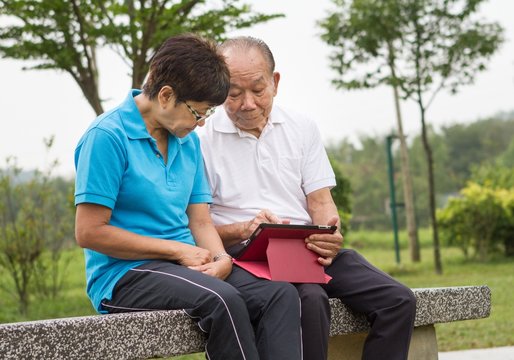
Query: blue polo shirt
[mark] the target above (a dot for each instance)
(119, 166)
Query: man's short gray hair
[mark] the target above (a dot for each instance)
(245, 43)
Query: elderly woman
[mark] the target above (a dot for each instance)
(142, 213)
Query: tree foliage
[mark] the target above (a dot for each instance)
(418, 46)
(66, 34)
(341, 194)
(364, 164)
(434, 43)
(481, 219)
(365, 169)
(36, 223)
(476, 143)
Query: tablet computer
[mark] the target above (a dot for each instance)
(255, 248)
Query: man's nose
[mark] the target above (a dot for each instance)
(248, 102)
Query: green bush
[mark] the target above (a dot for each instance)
(481, 219)
(36, 224)
(341, 195)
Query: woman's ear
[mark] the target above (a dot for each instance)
(166, 96)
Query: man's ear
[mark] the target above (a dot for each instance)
(276, 79)
(166, 96)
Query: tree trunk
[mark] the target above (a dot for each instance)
(431, 193)
(138, 75)
(408, 195)
(94, 100)
(88, 83)
(509, 246)
(412, 230)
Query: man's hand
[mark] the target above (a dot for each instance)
(220, 269)
(190, 255)
(264, 216)
(326, 245)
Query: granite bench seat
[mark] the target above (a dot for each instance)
(144, 335)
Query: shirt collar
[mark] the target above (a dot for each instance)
(133, 121)
(222, 123)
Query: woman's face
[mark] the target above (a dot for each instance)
(192, 114)
(181, 118)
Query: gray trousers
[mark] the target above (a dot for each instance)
(244, 317)
(389, 306)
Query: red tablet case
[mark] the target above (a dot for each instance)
(278, 252)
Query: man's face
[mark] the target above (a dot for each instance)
(252, 89)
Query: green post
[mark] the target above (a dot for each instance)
(392, 196)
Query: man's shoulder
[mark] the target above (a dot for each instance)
(286, 114)
(293, 121)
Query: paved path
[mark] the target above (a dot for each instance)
(499, 353)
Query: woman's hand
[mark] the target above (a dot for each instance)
(190, 255)
(220, 269)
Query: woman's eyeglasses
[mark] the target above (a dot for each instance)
(199, 117)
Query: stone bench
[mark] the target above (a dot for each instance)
(144, 335)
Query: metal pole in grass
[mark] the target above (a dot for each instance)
(392, 195)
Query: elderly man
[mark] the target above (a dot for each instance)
(266, 164)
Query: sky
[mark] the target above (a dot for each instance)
(35, 105)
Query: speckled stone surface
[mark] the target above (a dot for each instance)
(433, 305)
(167, 333)
(118, 336)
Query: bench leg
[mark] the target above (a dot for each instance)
(423, 345)
(346, 347)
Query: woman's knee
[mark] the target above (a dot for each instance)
(224, 296)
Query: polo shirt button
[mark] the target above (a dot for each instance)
(158, 155)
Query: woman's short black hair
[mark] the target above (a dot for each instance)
(192, 66)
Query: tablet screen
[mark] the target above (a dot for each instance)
(255, 249)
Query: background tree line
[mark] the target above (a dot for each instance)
(462, 152)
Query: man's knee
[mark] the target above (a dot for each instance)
(405, 300)
(314, 305)
(312, 296)
(281, 294)
(283, 290)
(410, 300)
(282, 303)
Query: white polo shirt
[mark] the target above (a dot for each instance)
(275, 171)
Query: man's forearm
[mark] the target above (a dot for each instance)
(321, 207)
(230, 234)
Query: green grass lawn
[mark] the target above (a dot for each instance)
(498, 274)
(73, 300)
(377, 247)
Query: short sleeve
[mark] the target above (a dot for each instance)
(201, 191)
(100, 161)
(317, 172)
